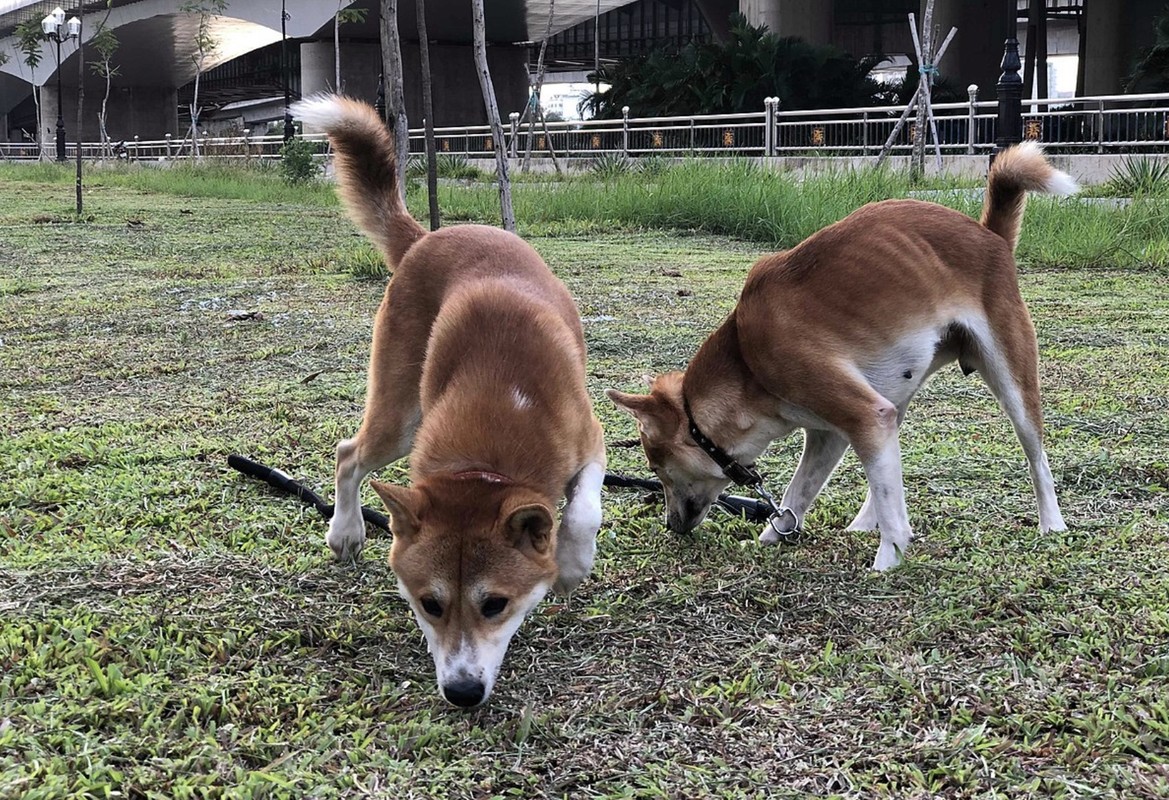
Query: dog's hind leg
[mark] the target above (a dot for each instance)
(822, 452)
(866, 518)
(869, 420)
(576, 540)
(1008, 360)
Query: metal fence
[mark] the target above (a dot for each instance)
(1110, 124)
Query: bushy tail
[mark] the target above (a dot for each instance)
(367, 176)
(1016, 171)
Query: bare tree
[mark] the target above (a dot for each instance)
(80, 99)
(395, 96)
(205, 45)
(28, 42)
(343, 16)
(428, 116)
(500, 146)
(106, 44)
(535, 105)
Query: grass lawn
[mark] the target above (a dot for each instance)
(169, 629)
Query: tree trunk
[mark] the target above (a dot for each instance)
(428, 116)
(395, 97)
(917, 162)
(500, 146)
(535, 108)
(337, 50)
(36, 101)
(80, 98)
(103, 132)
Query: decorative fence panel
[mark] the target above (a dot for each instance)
(1112, 124)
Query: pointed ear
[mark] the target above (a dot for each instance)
(638, 405)
(404, 505)
(531, 525)
(647, 409)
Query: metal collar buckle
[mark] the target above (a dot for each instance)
(783, 521)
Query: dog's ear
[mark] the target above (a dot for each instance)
(404, 505)
(649, 410)
(531, 526)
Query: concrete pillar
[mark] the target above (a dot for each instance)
(1104, 33)
(149, 112)
(49, 105)
(316, 68)
(457, 97)
(810, 20)
(360, 66)
(976, 52)
(1115, 35)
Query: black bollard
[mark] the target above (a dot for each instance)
(1009, 128)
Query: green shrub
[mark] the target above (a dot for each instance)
(610, 165)
(653, 166)
(1139, 176)
(297, 164)
(452, 165)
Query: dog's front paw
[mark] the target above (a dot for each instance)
(888, 556)
(568, 580)
(346, 538)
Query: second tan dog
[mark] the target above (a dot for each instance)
(836, 336)
(476, 371)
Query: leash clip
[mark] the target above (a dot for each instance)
(783, 524)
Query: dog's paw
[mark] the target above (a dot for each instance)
(568, 580)
(888, 556)
(865, 519)
(346, 539)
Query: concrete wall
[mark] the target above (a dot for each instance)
(1116, 31)
(810, 20)
(976, 53)
(149, 112)
(457, 97)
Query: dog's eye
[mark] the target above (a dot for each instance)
(431, 606)
(493, 606)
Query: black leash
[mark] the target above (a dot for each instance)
(282, 482)
(749, 508)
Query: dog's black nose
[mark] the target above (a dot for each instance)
(465, 694)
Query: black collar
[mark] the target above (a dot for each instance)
(739, 474)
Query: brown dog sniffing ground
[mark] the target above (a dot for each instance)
(477, 371)
(836, 335)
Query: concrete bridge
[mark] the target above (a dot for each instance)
(155, 58)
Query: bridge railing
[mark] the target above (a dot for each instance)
(1106, 124)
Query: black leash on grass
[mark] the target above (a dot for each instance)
(282, 482)
(751, 509)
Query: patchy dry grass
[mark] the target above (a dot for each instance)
(170, 629)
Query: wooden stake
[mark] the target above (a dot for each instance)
(500, 144)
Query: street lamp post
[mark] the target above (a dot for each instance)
(289, 130)
(1010, 89)
(56, 29)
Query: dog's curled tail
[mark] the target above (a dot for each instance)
(1016, 171)
(367, 174)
